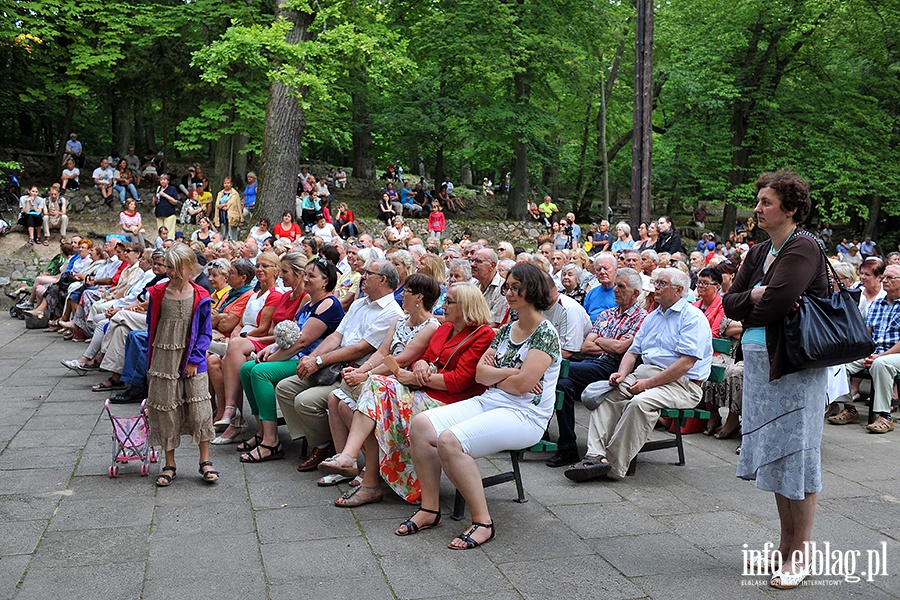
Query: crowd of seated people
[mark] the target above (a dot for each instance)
(421, 356)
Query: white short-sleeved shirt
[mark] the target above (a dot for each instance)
(368, 320)
(683, 330)
(571, 321)
(103, 175)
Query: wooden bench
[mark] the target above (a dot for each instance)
(717, 375)
(515, 473)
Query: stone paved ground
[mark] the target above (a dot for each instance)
(266, 531)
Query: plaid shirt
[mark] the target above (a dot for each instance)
(612, 326)
(884, 321)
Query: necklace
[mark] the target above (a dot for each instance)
(775, 252)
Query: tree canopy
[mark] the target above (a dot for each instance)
(479, 88)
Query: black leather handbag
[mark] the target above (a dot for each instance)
(824, 332)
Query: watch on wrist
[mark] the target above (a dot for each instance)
(318, 361)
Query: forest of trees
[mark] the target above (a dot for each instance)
(474, 88)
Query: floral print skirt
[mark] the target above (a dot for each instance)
(392, 406)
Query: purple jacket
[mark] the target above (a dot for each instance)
(200, 334)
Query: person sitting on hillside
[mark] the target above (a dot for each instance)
(103, 179)
(55, 213)
(69, 178)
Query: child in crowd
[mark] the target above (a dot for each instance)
(163, 236)
(436, 221)
(180, 330)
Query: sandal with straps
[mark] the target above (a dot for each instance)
(339, 464)
(275, 453)
(467, 536)
(164, 479)
(360, 495)
(250, 444)
(210, 475)
(412, 528)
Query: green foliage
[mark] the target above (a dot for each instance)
(743, 86)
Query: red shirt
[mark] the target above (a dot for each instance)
(459, 373)
(436, 221)
(291, 233)
(287, 308)
(714, 313)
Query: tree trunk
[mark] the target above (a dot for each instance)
(439, 167)
(239, 158)
(121, 124)
(221, 164)
(601, 119)
(285, 121)
(641, 203)
(66, 129)
(874, 215)
(517, 203)
(363, 157)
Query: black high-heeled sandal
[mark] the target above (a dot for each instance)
(412, 528)
(250, 444)
(275, 453)
(467, 536)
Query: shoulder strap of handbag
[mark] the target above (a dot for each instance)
(458, 346)
(829, 271)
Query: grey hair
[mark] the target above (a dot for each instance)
(624, 227)
(678, 278)
(244, 267)
(222, 265)
(635, 281)
(417, 250)
(651, 254)
(541, 262)
(461, 263)
(370, 255)
(508, 263)
(844, 269)
(573, 267)
(606, 255)
(158, 253)
(392, 277)
(406, 258)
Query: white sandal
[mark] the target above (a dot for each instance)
(789, 581)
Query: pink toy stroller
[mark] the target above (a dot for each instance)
(130, 441)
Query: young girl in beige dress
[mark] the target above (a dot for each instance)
(178, 401)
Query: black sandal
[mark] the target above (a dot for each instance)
(467, 536)
(250, 444)
(275, 453)
(165, 477)
(412, 528)
(210, 476)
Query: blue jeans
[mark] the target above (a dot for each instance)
(122, 189)
(136, 346)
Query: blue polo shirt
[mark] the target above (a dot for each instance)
(598, 300)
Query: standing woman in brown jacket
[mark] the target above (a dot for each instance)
(783, 406)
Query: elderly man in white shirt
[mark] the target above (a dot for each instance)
(674, 344)
(570, 320)
(305, 405)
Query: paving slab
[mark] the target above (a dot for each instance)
(268, 532)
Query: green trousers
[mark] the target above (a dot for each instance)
(259, 381)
